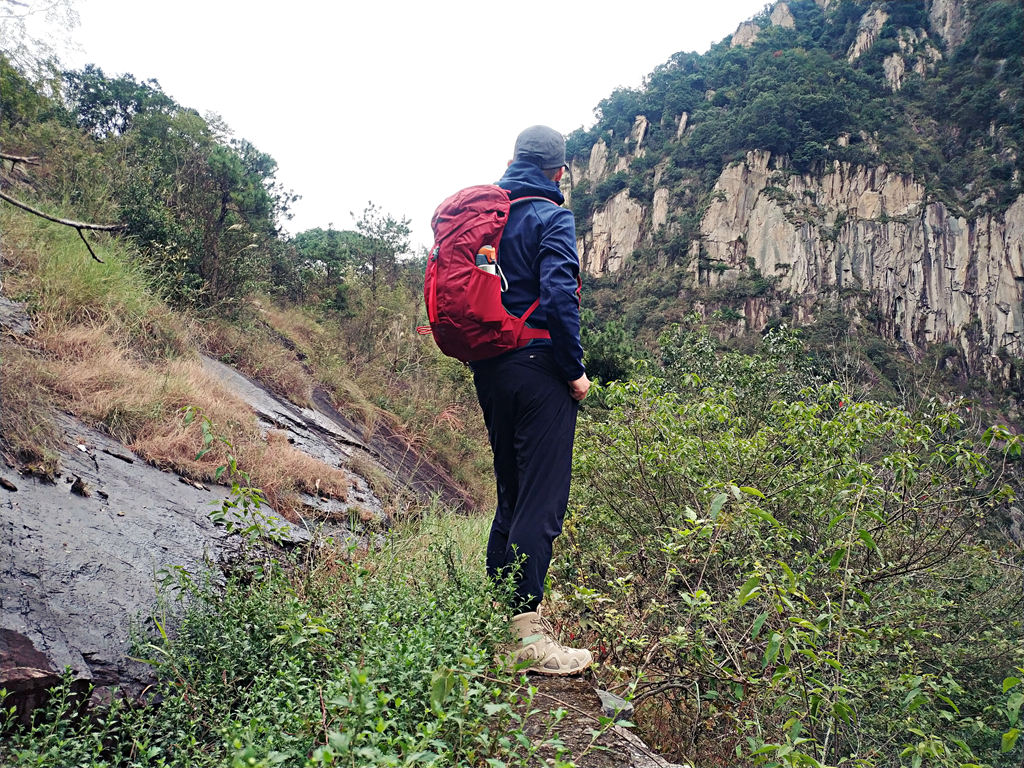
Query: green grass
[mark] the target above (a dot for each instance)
(51, 270)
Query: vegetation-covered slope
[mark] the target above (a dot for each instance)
(200, 262)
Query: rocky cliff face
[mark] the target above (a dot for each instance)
(927, 276)
(924, 275)
(865, 237)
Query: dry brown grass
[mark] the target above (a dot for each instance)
(284, 470)
(293, 323)
(27, 430)
(262, 358)
(348, 397)
(141, 405)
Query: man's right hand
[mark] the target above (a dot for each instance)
(578, 388)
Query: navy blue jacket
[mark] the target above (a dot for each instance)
(538, 257)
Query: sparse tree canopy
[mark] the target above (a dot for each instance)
(387, 238)
(31, 29)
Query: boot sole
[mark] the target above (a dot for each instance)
(552, 673)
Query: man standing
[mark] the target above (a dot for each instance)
(530, 396)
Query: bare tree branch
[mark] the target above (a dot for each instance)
(66, 222)
(76, 225)
(19, 159)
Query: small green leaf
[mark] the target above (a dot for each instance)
(766, 516)
(441, 684)
(1009, 740)
(837, 557)
(752, 491)
(749, 589)
(1013, 705)
(758, 623)
(716, 505)
(867, 539)
(789, 574)
(771, 653)
(843, 711)
(1010, 682)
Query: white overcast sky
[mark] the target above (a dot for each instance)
(401, 103)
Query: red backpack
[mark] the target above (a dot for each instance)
(464, 301)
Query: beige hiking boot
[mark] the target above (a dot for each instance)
(549, 657)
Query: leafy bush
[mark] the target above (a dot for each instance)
(786, 577)
(336, 664)
(610, 354)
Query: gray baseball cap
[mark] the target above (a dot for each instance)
(541, 146)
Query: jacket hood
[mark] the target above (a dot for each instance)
(524, 179)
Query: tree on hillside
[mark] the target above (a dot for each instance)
(204, 207)
(337, 250)
(106, 105)
(387, 238)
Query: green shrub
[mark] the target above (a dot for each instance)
(787, 577)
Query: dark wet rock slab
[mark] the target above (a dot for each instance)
(14, 317)
(76, 568)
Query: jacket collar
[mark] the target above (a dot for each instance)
(524, 179)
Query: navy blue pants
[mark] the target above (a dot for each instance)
(531, 421)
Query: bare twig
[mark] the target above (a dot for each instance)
(323, 714)
(76, 225)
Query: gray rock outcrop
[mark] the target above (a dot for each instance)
(933, 277)
(745, 34)
(613, 236)
(949, 19)
(894, 68)
(867, 33)
(781, 16)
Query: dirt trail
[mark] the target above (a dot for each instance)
(616, 747)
